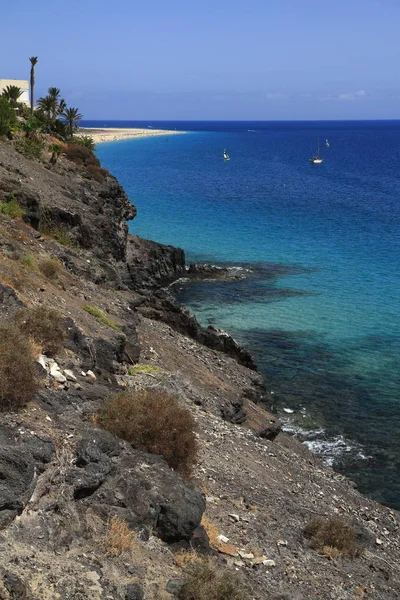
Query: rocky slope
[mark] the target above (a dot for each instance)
(63, 480)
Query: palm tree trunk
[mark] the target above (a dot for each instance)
(32, 83)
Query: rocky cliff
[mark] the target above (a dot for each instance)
(65, 482)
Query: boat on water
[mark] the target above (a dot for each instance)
(226, 155)
(316, 159)
(327, 143)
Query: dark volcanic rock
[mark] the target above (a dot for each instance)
(162, 307)
(138, 487)
(134, 592)
(180, 517)
(9, 298)
(149, 264)
(16, 476)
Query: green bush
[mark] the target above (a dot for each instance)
(143, 369)
(30, 148)
(330, 533)
(18, 383)
(7, 117)
(43, 325)
(11, 208)
(96, 312)
(205, 582)
(85, 140)
(153, 421)
(28, 260)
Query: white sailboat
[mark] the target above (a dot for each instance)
(316, 159)
(226, 155)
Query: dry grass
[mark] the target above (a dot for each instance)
(213, 537)
(205, 582)
(43, 325)
(333, 537)
(18, 382)
(50, 268)
(212, 532)
(119, 538)
(186, 557)
(153, 421)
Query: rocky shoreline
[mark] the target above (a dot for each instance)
(63, 479)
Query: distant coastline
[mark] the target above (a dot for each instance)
(112, 134)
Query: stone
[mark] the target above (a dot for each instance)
(56, 373)
(134, 592)
(269, 563)
(258, 560)
(175, 585)
(235, 518)
(178, 519)
(246, 555)
(69, 375)
(17, 474)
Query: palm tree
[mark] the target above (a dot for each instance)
(54, 94)
(12, 93)
(33, 60)
(48, 106)
(72, 116)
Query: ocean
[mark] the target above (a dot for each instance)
(319, 250)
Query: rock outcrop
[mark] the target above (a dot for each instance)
(86, 515)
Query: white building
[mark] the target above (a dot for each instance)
(22, 84)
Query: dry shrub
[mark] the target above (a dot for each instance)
(50, 268)
(186, 557)
(119, 538)
(43, 325)
(328, 534)
(81, 155)
(97, 173)
(18, 382)
(205, 582)
(153, 421)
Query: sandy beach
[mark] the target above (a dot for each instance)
(106, 134)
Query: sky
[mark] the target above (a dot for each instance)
(214, 59)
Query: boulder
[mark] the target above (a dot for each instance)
(17, 471)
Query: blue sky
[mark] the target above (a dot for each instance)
(215, 59)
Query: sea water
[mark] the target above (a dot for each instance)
(319, 249)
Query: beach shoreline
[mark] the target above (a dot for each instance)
(113, 134)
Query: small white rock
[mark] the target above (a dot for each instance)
(223, 539)
(69, 375)
(379, 542)
(246, 555)
(269, 563)
(234, 517)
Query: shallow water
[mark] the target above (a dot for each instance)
(319, 308)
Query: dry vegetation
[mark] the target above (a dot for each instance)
(155, 422)
(119, 538)
(43, 325)
(18, 382)
(50, 268)
(205, 582)
(333, 537)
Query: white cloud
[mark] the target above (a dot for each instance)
(353, 95)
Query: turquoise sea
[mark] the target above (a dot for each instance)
(319, 246)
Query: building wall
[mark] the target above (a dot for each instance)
(21, 83)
